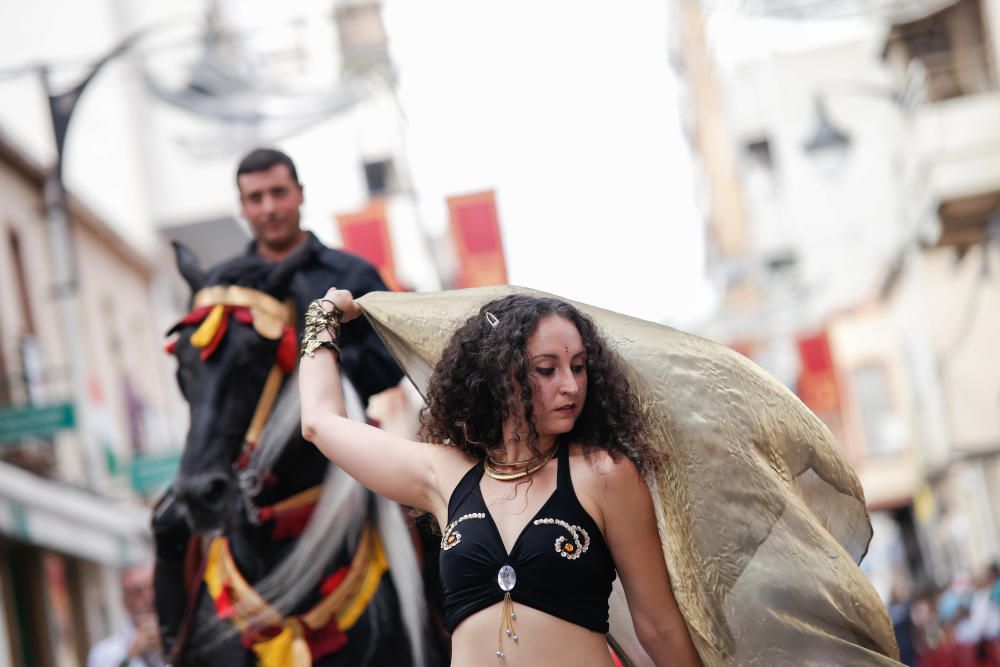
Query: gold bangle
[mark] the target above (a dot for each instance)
(318, 320)
(310, 349)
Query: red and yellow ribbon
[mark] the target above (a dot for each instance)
(299, 640)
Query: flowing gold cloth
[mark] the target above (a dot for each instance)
(762, 520)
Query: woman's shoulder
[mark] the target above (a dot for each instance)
(600, 470)
(606, 484)
(451, 463)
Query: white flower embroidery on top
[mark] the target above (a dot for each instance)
(452, 537)
(565, 548)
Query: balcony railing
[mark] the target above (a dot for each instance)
(957, 73)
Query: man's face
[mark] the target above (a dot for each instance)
(270, 200)
(137, 590)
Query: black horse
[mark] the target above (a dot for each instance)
(292, 562)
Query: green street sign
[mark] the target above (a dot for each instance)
(150, 473)
(35, 421)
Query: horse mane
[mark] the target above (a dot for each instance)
(338, 517)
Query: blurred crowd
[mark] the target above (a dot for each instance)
(955, 626)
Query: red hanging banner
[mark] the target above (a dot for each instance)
(817, 382)
(475, 229)
(366, 233)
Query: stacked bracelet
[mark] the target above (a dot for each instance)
(319, 319)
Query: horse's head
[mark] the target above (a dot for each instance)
(238, 337)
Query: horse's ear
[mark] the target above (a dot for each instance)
(281, 275)
(189, 267)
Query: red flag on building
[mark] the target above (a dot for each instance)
(366, 233)
(475, 228)
(817, 382)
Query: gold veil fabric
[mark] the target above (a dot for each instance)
(762, 520)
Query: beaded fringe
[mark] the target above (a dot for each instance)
(507, 618)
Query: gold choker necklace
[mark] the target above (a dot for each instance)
(511, 464)
(504, 476)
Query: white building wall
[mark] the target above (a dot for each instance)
(959, 140)
(121, 333)
(20, 206)
(869, 339)
(864, 236)
(991, 19)
(843, 223)
(51, 514)
(965, 332)
(914, 318)
(848, 225)
(101, 148)
(125, 340)
(893, 334)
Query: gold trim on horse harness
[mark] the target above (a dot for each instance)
(270, 316)
(251, 613)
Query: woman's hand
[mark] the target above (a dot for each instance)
(344, 301)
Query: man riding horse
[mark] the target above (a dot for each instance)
(270, 198)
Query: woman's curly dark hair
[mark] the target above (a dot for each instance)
(472, 388)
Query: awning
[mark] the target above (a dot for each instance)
(71, 520)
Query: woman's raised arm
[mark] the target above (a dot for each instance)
(403, 470)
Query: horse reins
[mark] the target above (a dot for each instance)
(251, 480)
(211, 310)
(193, 576)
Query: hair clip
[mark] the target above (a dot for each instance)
(492, 319)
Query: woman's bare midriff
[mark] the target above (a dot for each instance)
(543, 639)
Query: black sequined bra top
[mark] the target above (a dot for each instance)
(559, 564)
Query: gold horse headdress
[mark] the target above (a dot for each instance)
(761, 519)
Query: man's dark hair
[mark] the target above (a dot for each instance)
(262, 159)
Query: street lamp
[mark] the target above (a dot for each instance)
(829, 145)
(64, 266)
(212, 92)
(62, 106)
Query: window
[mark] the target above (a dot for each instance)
(362, 35)
(759, 175)
(951, 46)
(781, 262)
(883, 429)
(380, 177)
(759, 154)
(969, 221)
(21, 279)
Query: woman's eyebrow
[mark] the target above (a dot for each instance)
(553, 355)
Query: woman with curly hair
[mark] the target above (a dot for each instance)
(533, 467)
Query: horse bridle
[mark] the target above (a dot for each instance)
(211, 309)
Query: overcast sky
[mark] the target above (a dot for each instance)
(569, 111)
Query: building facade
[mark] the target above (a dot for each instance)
(868, 170)
(956, 45)
(150, 157)
(70, 515)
